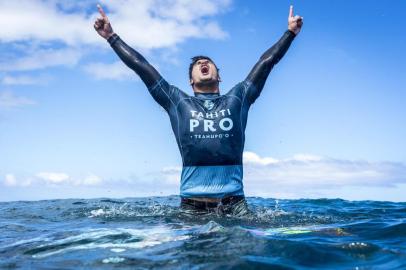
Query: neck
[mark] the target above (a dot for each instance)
(206, 87)
(206, 95)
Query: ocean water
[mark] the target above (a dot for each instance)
(152, 233)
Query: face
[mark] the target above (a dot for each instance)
(204, 71)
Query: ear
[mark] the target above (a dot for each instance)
(191, 82)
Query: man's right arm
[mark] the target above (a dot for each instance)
(160, 90)
(134, 60)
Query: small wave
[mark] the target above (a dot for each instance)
(113, 239)
(210, 227)
(79, 203)
(113, 260)
(154, 233)
(111, 201)
(127, 210)
(393, 230)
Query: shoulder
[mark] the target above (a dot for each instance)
(235, 89)
(176, 94)
(159, 84)
(240, 89)
(176, 90)
(248, 84)
(168, 88)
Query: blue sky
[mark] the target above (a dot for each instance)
(75, 122)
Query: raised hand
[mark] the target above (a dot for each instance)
(294, 22)
(102, 25)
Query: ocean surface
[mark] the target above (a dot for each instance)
(152, 233)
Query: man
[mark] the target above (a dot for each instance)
(209, 127)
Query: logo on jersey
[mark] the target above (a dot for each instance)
(212, 124)
(208, 104)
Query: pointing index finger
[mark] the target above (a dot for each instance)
(291, 11)
(101, 11)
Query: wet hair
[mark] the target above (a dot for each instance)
(197, 58)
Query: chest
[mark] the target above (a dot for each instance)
(209, 115)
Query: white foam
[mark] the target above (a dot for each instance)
(113, 260)
(97, 213)
(148, 238)
(117, 250)
(26, 241)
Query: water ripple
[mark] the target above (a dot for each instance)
(153, 233)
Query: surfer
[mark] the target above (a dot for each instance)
(209, 127)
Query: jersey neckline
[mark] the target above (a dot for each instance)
(207, 95)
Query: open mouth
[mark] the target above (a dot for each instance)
(205, 70)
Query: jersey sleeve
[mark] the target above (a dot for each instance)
(240, 91)
(256, 79)
(162, 92)
(166, 95)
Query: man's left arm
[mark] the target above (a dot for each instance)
(271, 57)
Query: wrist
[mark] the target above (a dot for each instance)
(292, 32)
(112, 38)
(110, 35)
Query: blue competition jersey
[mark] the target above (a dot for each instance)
(209, 128)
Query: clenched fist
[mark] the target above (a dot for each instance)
(102, 25)
(294, 22)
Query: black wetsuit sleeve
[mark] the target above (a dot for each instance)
(259, 73)
(160, 90)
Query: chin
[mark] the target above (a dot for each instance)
(207, 78)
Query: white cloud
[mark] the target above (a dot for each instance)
(185, 11)
(302, 175)
(53, 178)
(162, 23)
(24, 80)
(42, 58)
(66, 28)
(90, 180)
(114, 71)
(148, 23)
(171, 175)
(9, 100)
(172, 169)
(251, 157)
(10, 180)
(42, 20)
(305, 175)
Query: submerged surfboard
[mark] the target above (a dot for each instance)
(298, 230)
